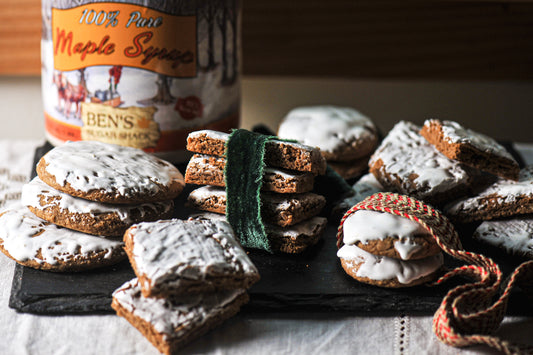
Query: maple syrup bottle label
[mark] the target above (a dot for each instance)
(140, 74)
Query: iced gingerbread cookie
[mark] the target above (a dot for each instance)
(292, 239)
(278, 154)
(385, 234)
(388, 272)
(406, 162)
(89, 216)
(109, 173)
(280, 209)
(33, 242)
(514, 235)
(470, 148)
(209, 170)
(503, 198)
(171, 323)
(342, 133)
(176, 257)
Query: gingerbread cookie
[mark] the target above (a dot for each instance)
(513, 235)
(388, 272)
(209, 170)
(503, 198)
(89, 216)
(293, 239)
(342, 133)
(406, 162)
(470, 148)
(280, 209)
(176, 257)
(171, 323)
(33, 242)
(279, 154)
(385, 234)
(109, 173)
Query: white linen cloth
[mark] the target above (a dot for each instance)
(265, 333)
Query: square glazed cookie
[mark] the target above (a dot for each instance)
(406, 162)
(177, 257)
(470, 148)
(171, 323)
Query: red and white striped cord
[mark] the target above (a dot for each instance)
(469, 313)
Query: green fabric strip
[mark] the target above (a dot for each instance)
(245, 152)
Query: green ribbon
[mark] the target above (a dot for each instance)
(245, 155)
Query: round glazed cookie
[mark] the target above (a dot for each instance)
(341, 133)
(89, 216)
(33, 242)
(388, 272)
(109, 173)
(385, 234)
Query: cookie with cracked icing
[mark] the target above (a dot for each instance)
(471, 148)
(280, 209)
(36, 243)
(407, 163)
(278, 154)
(504, 198)
(388, 272)
(86, 216)
(385, 234)
(209, 170)
(109, 173)
(343, 134)
(293, 239)
(176, 257)
(512, 235)
(169, 324)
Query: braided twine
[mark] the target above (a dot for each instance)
(469, 314)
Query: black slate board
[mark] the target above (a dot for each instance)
(312, 281)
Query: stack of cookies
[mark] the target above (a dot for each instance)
(191, 276)
(346, 137)
(468, 175)
(288, 207)
(85, 196)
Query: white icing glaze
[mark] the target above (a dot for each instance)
(326, 127)
(513, 235)
(19, 229)
(380, 268)
(363, 226)
(455, 133)
(172, 250)
(505, 191)
(405, 153)
(89, 165)
(177, 316)
(36, 189)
